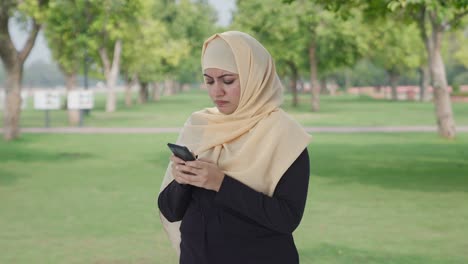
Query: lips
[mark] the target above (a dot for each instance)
(220, 103)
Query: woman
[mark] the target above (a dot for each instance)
(240, 201)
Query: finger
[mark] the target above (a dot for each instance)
(177, 160)
(179, 180)
(179, 177)
(196, 164)
(175, 175)
(186, 178)
(188, 169)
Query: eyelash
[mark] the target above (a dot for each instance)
(225, 82)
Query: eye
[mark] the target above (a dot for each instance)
(228, 81)
(209, 81)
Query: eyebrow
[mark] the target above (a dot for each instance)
(224, 75)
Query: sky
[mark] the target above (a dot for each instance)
(42, 52)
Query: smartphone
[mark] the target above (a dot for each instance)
(181, 151)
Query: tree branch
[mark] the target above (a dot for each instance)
(421, 21)
(7, 48)
(456, 18)
(23, 54)
(117, 52)
(105, 60)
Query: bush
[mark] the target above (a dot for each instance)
(459, 80)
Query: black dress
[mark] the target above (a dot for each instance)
(238, 224)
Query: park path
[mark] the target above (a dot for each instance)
(157, 130)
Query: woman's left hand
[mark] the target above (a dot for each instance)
(201, 173)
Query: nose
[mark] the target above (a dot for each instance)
(218, 90)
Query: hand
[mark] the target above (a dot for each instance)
(200, 173)
(176, 161)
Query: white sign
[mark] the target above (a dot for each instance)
(24, 100)
(46, 100)
(83, 99)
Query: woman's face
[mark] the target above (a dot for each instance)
(224, 89)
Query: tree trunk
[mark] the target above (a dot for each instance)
(73, 114)
(443, 105)
(12, 111)
(178, 87)
(333, 87)
(144, 93)
(424, 81)
(393, 79)
(315, 87)
(185, 87)
(347, 79)
(13, 61)
(128, 94)
(111, 73)
(156, 92)
(323, 86)
(168, 87)
(301, 84)
(294, 77)
(128, 90)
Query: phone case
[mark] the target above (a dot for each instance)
(181, 151)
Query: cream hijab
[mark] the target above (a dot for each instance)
(255, 144)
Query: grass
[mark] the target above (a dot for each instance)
(373, 198)
(350, 110)
(345, 110)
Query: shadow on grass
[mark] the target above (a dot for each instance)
(407, 166)
(21, 151)
(333, 254)
(32, 155)
(18, 153)
(8, 177)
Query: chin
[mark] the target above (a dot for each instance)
(225, 111)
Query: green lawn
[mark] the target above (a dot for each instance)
(374, 198)
(172, 111)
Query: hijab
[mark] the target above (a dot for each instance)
(256, 143)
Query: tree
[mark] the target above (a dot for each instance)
(461, 53)
(191, 22)
(341, 43)
(303, 30)
(395, 47)
(161, 51)
(111, 21)
(32, 13)
(454, 54)
(65, 30)
(434, 18)
(333, 42)
(276, 27)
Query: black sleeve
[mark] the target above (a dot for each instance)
(282, 212)
(174, 200)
